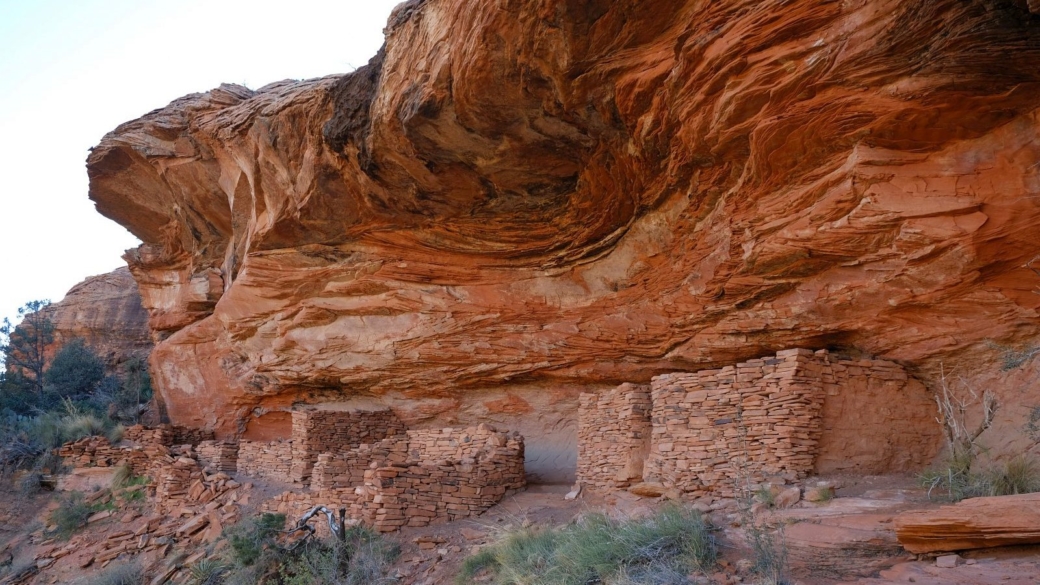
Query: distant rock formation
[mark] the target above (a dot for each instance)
(105, 311)
(518, 201)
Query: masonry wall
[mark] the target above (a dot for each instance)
(319, 431)
(716, 429)
(218, 456)
(166, 435)
(346, 469)
(876, 419)
(419, 493)
(415, 478)
(782, 416)
(613, 436)
(99, 452)
(177, 479)
(273, 460)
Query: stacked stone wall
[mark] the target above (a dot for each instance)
(321, 431)
(190, 436)
(140, 434)
(273, 460)
(415, 478)
(780, 417)
(876, 419)
(450, 444)
(346, 469)
(167, 435)
(218, 456)
(425, 491)
(99, 452)
(613, 436)
(715, 430)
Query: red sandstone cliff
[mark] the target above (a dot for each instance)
(105, 311)
(518, 200)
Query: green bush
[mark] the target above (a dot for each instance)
(1019, 475)
(75, 372)
(207, 571)
(70, 515)
(252, 537)
(955, 480)
(361, 558)
(668, 545)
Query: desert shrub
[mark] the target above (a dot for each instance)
(208, 571)
(79, 425)
(121, 574)
(1019, 475)
(70, 515)
(249, 539)
(1033, 424)
(769, 551)
(75, 372)
(673, 542)
(361, 558)
(27, 442)
(122, 476)
(955, 480)
(766, 496)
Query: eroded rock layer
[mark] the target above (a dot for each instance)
(516, 201)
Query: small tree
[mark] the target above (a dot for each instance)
(24, 346)
(125, 396)
(75, 371)
(962, 442)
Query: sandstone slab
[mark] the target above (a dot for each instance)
(971, 524)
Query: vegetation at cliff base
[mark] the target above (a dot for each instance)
(47, 400)
(665, 548)
(362, 557)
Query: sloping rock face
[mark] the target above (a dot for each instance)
(104, 311)
(516, 201)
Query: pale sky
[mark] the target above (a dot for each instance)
(72, 70)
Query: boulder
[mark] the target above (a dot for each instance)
(971, 524)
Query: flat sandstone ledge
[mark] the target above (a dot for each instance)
(973, 523)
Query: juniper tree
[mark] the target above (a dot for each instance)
(24, 346)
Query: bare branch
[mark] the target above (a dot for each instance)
(953, 413)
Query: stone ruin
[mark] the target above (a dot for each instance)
(415, 478)
(614, 436)
(193, 502)
(167, 435)
(315, 432)
(363, 461)
(778, 418)
(703, 434)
